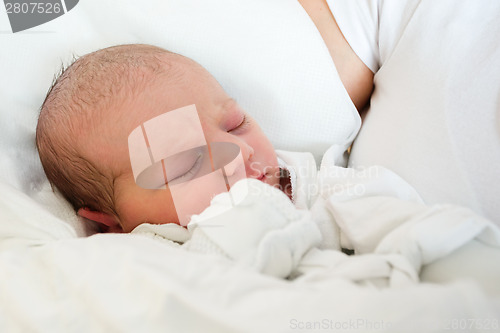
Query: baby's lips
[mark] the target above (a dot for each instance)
(254, 170)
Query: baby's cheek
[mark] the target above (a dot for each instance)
(146, 206)
(194, 196)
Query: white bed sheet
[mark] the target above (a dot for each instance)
(128, 283)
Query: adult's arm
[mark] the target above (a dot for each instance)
(356, 77)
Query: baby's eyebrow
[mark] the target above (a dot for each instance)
(225, 106)
(228, 102)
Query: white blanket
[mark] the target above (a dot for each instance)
(130, 283)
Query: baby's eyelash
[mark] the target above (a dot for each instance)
(193, 170)
(244, 123)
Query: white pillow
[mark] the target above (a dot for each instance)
(267, 55)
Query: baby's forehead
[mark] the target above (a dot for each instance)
(141, 93)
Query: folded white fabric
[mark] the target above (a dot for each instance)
(372, 211)
(418, 236)
(371, 270)
(171, 233)
(264, 231)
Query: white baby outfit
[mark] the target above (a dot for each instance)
(372, 211)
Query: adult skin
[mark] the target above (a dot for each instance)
(356, 77)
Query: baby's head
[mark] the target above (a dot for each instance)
(93, 106)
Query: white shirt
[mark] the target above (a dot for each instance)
(434, 115)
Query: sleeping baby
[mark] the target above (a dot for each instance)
(86, 119)
(142, 140)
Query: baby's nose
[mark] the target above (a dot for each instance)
(249, 152)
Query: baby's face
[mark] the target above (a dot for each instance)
(222, 120)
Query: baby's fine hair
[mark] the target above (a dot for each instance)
(80, 95)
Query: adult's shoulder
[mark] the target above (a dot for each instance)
(372, 27)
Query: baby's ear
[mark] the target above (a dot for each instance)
(107, 222)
